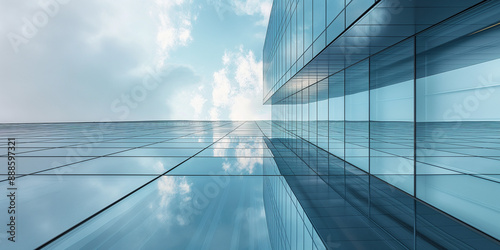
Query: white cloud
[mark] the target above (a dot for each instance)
(237, 88)
(166, 189)
(197, 103)
(117, 46)
(226, 58)
(188, 102)
(221, 89)
(219, 152)
(254, 7)
(246, 162)
(226, 166)
(259, 8)
(184, 187)
(50, 80)
(248, 71)
(159, 167)
(175, 26)
(214, 114)
(244, 108)
(176, 191)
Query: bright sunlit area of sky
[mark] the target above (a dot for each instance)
(129, 60)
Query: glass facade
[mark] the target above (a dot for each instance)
(288, 225)
(349, 208)
(405, 93)
(132, 185)
(207, 185)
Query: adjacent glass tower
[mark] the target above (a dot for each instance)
(406, 91)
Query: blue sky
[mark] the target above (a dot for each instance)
(105, 60)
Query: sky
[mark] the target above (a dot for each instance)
(108, 60)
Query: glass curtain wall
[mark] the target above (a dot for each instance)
(422, 115)
(298, 30)
(392, 115)
(458, 117)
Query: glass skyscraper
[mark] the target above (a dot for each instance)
(130, 185)
(385, 134)
(394, 106)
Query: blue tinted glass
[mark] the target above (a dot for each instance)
(34, 164)
(458, 98)
(250, 165)
(195, 212)
(334, 7)
(355, 8)
(46, 206)
(412, 114)
(391, 115)
(335, 28)
(336, 114)
(119, 165)
(300, 28)
(319, 15)
(308, 23)
(313, 114)
(357, 115)
(323, 114)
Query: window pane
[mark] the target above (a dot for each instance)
(356, 115)
(458, 100)
(391, 115)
